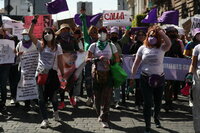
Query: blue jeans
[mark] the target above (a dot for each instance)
(88, 79)
(43, 98)
(150, 95)
(4, 75)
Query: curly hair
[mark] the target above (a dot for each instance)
(153, 31)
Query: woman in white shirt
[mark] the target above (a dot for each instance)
(151, 55)
(50, 60)
(103, 51)
(194, 72)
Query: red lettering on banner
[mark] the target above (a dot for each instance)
(122, 15)
(114, 16)
(106, 16)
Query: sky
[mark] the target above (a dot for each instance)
(98, 6)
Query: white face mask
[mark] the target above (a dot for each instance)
(48, 37)
(26, 37)
(197, 37)
(102, 36)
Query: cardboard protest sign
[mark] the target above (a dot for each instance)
(7, 54)
(74, 62)
(195, 23)
(116, 18)
(27, 87)
(43, 21)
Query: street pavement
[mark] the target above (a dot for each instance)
(84, 119)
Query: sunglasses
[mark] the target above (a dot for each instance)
(49, 32)
(104, 31)
(141, 35)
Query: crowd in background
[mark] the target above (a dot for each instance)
(95, 78)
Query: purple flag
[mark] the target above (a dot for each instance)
(169, 17)
(91, 20)
(151, 17)
(57, 6)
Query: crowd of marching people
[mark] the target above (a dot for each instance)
(107, 45)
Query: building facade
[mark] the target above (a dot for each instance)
(86, 5)
(25, 7)
(122, 5)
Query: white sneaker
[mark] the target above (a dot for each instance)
(117, 105)
(44, 124)
(76, 98)
(89, 101)
(190, 103)
(99, 119)
(12, 101)
(56, 116)
(104, 124)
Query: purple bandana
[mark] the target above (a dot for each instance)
(27, 44)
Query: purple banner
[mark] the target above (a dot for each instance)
(174, 68)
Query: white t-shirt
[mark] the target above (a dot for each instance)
(21, 48)
(48, 58)
(107, 52)
(152, 60)
(196, 52)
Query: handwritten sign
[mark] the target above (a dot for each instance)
(27, 87)
(7, 54)
(116, 18)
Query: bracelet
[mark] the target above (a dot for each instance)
(34, 21)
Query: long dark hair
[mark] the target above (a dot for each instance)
(53, 41)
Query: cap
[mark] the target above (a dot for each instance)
(114, 30)
(102, 29)
(196, 31)
(25, 31)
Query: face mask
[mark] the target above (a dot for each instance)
(102, 36)
(114, 39)
(197, 37)
(48, 37)
(152, 40)
(26, 37)
(65, 35)
(1, 36)
(173, 36)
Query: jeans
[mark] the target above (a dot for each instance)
(148, 94)
(117, 96)
(138, 93)
(44, 94)
(14, 78)
(4, 75)
(88, 79)
(77, 87)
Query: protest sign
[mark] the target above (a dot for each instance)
(74, 62)
(27, 87)
(43, 21)
(116, 18)
(174, 68)
(195, 23)
(7, 54)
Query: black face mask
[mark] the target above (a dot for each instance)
(114, 39)
(1, 36)
(172, 36)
